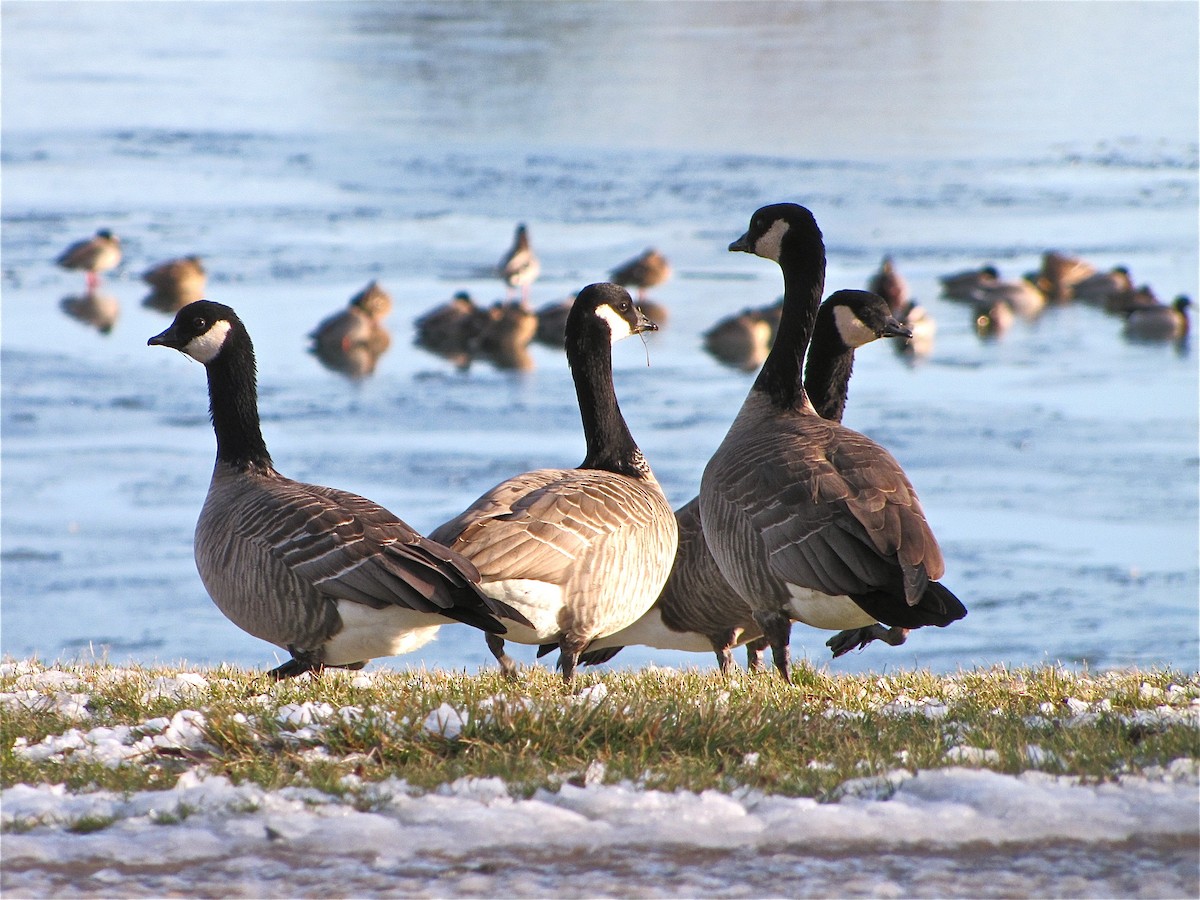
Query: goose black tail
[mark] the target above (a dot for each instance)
(938, 607)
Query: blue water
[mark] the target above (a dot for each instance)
(304, 149)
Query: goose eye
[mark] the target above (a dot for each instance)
(199, 324)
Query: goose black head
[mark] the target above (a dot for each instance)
(200, 330)
(772, 226)
(861, 317)
(611, 305)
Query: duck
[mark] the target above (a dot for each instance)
(744, 339)
(889, 284)
(962, 285)
(1059, 274)
(1100, 288)
(923, 328)
(352, 341)
(646, 270)
(581, 552)
(809, 520)
(505, 334)
(175, 283)
(1159, 323)
(1021, 296)
(93, 308)
(993, 317)
(99, 253)
(331, 577)
(698, 610)
(1124, 303)
(520, 267)
(451, 330)
(552, 321)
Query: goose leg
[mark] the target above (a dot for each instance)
(856, 638)
(495, 643)
(754, 653)
(777, 631)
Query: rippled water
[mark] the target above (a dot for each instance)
(304, 153)
(1058, 465)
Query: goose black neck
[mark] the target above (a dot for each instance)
(610, 446)
(803, 283)
(827, 373)
(233, 404)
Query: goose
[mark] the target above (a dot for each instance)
(93, 255)
(1159, 323)
(93, 308)
(581, 552)
(520, 266)
(352, 341)
(962, 285)
(698, 610)
(174, 284)
(807, 519)
(331, 577)
(452, 329)
(744, 339)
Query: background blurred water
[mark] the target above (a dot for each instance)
(303, 149)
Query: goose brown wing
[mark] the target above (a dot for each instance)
(350, 548)
(841, 516)
(537, 525)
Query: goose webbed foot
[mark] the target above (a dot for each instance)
(857, 638)
(302, 661)
(508, 666)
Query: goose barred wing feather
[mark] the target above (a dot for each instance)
(349, 548)
(842, 522)
(539, 523)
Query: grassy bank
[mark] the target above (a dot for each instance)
(127, 729)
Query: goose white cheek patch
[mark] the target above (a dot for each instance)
(770, 244)
(205, 347)
(616, 323)
(854, 331)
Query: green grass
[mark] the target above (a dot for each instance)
(657, 728)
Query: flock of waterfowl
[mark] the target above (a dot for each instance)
(796, 519)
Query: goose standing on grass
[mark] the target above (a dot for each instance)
(175, 283)
(698, 610)
(94, 255)
(520, 266)
(581, 552)
(331, 577)
(807, 519)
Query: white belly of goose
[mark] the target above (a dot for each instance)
(651, 631)
(370, 633)
(539, 601)
(835, 613)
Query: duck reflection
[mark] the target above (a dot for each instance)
(100, 311)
